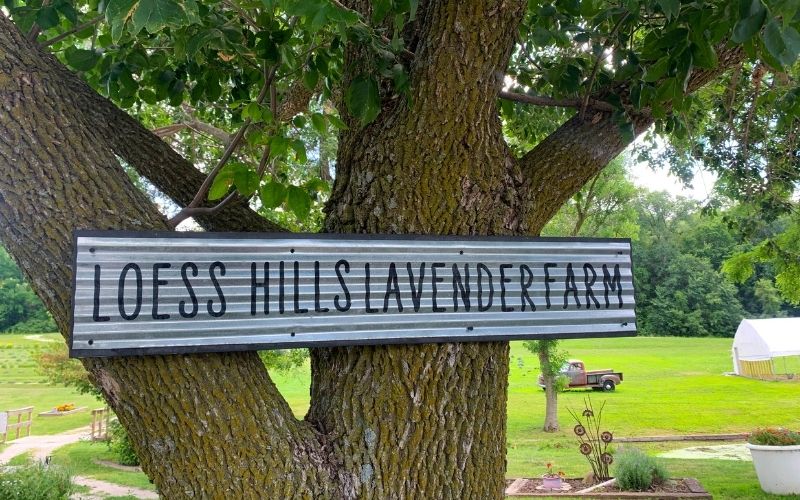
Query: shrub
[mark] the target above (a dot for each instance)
(637, 471)
(35, 482)
(774, 436)
(121, 445)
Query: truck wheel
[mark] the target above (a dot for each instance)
(608, 385)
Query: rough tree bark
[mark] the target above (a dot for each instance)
(389, 421)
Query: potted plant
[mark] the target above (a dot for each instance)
(776, 457)
(552, 480)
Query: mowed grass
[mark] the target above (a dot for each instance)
(80, 459)
(21, 385)
(672, 386)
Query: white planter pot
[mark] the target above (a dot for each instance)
(777, 468)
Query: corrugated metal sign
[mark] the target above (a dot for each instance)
(148, 293)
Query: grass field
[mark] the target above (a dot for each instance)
(672, 386)
(21, 385)
(79, 458)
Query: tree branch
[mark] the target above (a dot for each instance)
(551, 101)
(72, 31)
(600, 57)
(151, 157)
(226, 155)
(579, 149)
(33, 34)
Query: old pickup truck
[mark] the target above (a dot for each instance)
(607, 380)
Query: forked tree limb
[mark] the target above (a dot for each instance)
(580, 148)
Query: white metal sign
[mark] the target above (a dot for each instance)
(157, 293)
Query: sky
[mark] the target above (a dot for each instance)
(660, 180)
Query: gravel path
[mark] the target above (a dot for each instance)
(42, 446)
(103, 488)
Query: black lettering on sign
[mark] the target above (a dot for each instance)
(615, 283)
(157, 283)
(210, 304)
(416, 291)
(503, 281)
(96, 311)
(255, 285)
(547, 281)
(297, 308)
(570, 287)
(192, 296)
(317, 308)
(436, 279)
(392, 288)
(339, 307)
(481, 269)
(281, 289)
(366, 286)
(587, 283)
(463, 286)
(524, 285)
(121, 291)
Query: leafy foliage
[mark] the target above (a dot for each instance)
(20, 309)
(603, 208)
(54, 363)
(120, 444)
(637, 471)
(774, 436)
(35, 481)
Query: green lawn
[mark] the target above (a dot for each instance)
(672, 386)
(21, 385)
(80, 458)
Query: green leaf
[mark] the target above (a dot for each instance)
(68, 11)
(671, 8)
(656, 70)
(362, 98)
(748, 26)
(118, 12)
(272, 194)
(246, 181)
(221, 185)
(252, 111)
(47, 17)
(81, 59)
(278, 145)
(155, 15)
(337, 122)
(791, 38)
(298, 201)
(310, 79)
(773, 39)
(319, 123)
(317, 185)
(299, 148)
(703, 55)
(379, 10)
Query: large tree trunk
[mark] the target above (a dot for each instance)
(438, 166)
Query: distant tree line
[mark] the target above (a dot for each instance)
(686, 257)
(20, 309)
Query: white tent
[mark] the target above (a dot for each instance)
(760, 340)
